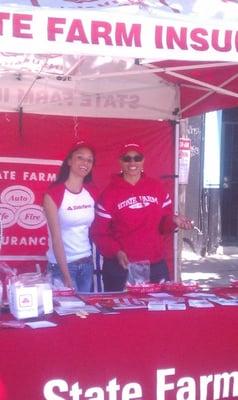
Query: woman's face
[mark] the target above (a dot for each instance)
(81, 162)
(132, 164)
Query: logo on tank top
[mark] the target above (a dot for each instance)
(79, 207)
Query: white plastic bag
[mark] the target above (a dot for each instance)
(6, 273)
(138, 272)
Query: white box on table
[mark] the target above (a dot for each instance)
(23, 301)
(30, 295)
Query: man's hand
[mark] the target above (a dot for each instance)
(183, 222)
(122, 259)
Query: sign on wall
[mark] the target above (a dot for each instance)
(23, 224)
(184, 159)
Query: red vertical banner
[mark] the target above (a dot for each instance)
(23, 225)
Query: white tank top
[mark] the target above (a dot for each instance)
(76, 214)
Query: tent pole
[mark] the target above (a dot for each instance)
(20, 121)
(185, 67)
(32, 84)
(176, 205)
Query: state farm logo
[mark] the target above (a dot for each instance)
(17, 207)
(25, 301)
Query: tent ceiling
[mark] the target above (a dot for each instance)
(112, 82)
(202, 85)
(85, 86)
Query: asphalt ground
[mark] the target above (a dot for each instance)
(213, 271)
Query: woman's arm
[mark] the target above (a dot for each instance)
(57, 243)
(169, 222)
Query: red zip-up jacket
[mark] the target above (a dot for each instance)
(132, 218)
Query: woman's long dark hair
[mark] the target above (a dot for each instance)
(65, 168)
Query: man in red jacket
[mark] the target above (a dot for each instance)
(132, 213)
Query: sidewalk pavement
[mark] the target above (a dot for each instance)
(210, 271)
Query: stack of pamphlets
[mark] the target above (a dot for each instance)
(66, 305)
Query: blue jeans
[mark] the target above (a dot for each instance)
(81, 273)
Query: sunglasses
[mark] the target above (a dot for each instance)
(136, 158)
